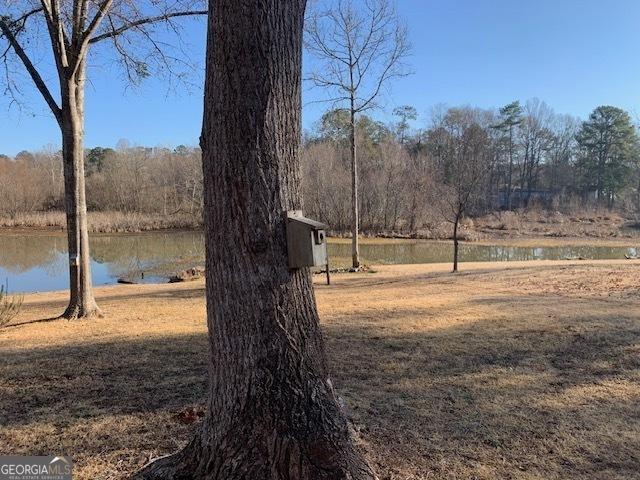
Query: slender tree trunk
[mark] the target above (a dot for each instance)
(386, 199)
(412, 215)
(81, 302)
(355, 247)
(510, 176)
(396, 206)
(600, 179)
(455, 243)
(164, 201)
(193, 197)
(272, 413)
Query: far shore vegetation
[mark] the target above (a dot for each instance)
(538, 174)
(526, 227)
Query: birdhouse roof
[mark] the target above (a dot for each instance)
(311, 224)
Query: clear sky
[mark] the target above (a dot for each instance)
(573, 54)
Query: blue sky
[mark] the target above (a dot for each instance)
(573, 54)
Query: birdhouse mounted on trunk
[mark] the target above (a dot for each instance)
(306, 241)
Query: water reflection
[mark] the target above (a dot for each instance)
(436, 252)
(30, 263)
(39, 262)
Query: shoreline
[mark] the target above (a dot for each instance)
(519, 228)
(56, 231)
(379, 270)
(525, 241)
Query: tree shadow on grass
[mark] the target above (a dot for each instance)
(104, 301)
(528, 397)
(556, 398)
(78, 381)
(29, 322)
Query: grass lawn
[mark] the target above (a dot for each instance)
(518, 371)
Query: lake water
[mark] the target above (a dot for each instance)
(30, 263)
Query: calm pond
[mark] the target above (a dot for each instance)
(38, 262)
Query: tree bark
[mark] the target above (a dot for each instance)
(272, 412)
(355, 247)
(81, 302)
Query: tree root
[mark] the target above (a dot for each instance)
(76, 312)
(197, 463)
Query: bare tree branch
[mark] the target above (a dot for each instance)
(145, 21)
(359, 51)
(85, 36)
(33, 72)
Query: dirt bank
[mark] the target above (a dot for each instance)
(553, 224)
(535, 224)
(518, 370)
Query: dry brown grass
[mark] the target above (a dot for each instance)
(589, 224)
(501, 372)
(104, 222)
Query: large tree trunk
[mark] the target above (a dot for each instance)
(355, 221)
(81, 302)
(272, 412)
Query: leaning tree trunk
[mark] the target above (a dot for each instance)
(272, 413)
(81, 303)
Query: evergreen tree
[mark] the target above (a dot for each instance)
(405, 114)
(510, 118)
(609, 147)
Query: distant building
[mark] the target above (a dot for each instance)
(522, 198)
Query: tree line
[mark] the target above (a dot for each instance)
(127, 179)
(517, 156)
(523, 156)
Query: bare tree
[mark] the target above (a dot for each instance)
(560, 171)
(418, 178)
(463, 146)
(393, 158)
(71, 28)
(537, 141)
(359, 48)
(326, 184)
(272, 412)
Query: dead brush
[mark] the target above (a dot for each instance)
(9, 306)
